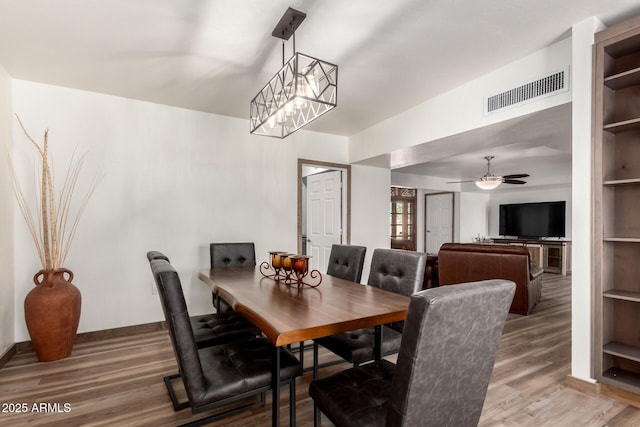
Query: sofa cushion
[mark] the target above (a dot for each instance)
(469, 262)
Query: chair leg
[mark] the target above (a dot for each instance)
(315, 360)
(302, 354)
(316, 415)
(177, 406)
(292, 403)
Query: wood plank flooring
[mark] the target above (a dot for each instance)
(119, 381)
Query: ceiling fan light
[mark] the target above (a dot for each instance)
(488, 183)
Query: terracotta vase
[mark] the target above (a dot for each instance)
(52, 313)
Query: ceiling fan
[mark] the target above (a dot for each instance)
(490, 181)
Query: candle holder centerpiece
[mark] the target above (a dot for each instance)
(291, 270)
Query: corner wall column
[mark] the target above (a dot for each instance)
(581, 217)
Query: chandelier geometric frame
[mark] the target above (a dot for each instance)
(304, 88)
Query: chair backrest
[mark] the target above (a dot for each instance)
(179, 325)
(151, 255)
(397, 270)
(447, 354)
(346, 262)
(232, 254)
(470, 262)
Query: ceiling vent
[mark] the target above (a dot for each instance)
(551, 84)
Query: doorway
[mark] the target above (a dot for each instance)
(438, 222)
(403, 218)
(324, 209)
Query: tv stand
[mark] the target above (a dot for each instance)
(554, 256)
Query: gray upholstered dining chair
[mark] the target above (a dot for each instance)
(226, 255)
(219, 375)
(211, 329)
(443, 369)
(215, 328)
(346, 262)
(393, 270)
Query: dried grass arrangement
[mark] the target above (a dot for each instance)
(52, 308)
(54, 221)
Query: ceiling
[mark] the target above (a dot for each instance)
(538, 144)
(215, 55)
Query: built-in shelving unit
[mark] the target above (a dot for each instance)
(616, 242)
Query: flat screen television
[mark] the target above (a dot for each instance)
(533, 220)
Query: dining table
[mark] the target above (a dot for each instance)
(288, 314)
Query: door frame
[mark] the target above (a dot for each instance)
(315, 163)
(453, 215)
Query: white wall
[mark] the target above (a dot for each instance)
(461, 109)
(474, 220)
(370, 209)
(6, 218)
(529, 196)
(419, 181)
(174, 181)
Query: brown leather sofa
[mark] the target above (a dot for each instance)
(470, 262)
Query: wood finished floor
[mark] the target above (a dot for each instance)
(119, 381)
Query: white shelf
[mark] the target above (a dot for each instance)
(623, 126)
(623, 80)
(614, 182)
(622, 350)
(622, 295)
(622, 239)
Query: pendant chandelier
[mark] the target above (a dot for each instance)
(301, 91)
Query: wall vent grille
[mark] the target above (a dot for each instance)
(549, 85)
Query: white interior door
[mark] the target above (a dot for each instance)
(324, 216)
(439, 221)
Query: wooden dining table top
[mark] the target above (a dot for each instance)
(286, 314)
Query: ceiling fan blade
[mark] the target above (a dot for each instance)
(515, 176)
(513, 181)
(458, 182)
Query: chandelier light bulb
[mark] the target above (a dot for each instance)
(312, 84)
(289, 107)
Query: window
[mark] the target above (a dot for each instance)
(403, 218)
